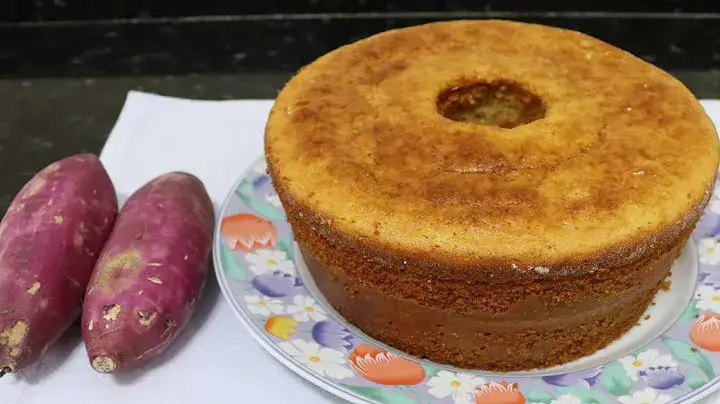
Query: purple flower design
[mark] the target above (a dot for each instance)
(709, 279)
(332, 335)
(276, 284)
(662, 377)
(260, 181)
(708, 226)
(583, 378)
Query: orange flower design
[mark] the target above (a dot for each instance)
(705, 332)
(248, 232)
(281, 326)
(499, 393)
(384, 367)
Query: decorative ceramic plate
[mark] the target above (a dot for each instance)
(671, 356)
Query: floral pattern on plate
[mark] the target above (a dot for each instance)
(255, 258)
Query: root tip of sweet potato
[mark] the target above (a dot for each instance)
(104, 364)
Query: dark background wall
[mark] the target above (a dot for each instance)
(71, 38)
(55, 10)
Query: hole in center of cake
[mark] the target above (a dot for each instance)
(499, 103)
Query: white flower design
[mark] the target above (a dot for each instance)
(273, 200)
(708, 298)
(305, 308)
(647, 396)
(464, 398)
(709, 249)
(714, 205)
(260, 167)
(567, 399)
(460, 385)
(644, 360)
(261, 305)
(262, 261)
(325, 361)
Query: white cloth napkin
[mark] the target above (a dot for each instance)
(215, 360)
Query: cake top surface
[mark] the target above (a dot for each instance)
(492, 141)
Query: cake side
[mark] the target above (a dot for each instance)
(489, 326)
(449, 338)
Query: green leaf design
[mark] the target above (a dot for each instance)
(586, 395)
(384, 395)
(245, 189)
(615, 380)
(690, 313)
(539, 396)
(695, 380)
(430, 371)
(247, 195)
(230, 264)
(690, 354)
(285, 245)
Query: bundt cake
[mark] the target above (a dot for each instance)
(489, 194)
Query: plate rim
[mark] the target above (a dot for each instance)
(325, 383)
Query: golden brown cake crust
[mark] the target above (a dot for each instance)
(623, 160)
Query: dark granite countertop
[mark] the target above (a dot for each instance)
(63, 80)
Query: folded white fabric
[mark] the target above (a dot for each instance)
(215, 360)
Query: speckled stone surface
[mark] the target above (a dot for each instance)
(262, 43)
(13, 10)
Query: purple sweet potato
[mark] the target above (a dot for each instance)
(50, 239)
(150, 274)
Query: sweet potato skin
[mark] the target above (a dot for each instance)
(150, 274)
(50, 238)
